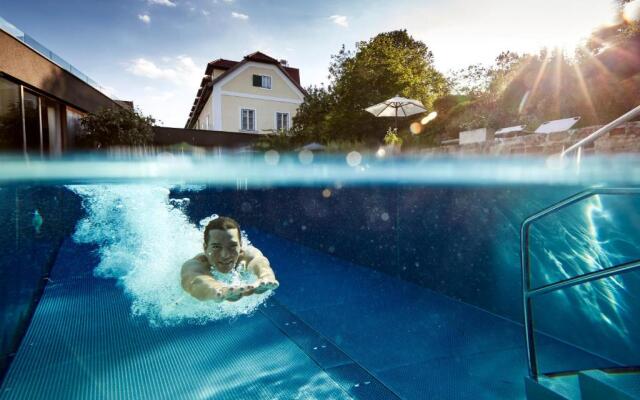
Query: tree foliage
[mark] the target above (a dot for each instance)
(616, 34)
(598, 83)
(531, 89)
(391, 63)
(312, 117)
(490, 95)
(116, 126)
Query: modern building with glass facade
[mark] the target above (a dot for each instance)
(42, 97)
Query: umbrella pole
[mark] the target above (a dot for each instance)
(396, 120)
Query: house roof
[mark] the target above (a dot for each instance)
(220, 63)
(229, 66)
(223, 64)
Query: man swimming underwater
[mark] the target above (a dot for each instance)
(223, 253)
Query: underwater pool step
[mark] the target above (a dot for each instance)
(586, 385)
(563, 387)
(597, 384)
(344, 371)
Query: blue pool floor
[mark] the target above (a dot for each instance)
(333, 330)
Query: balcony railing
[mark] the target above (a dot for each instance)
(50, 55)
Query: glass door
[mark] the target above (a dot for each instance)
(10, 117)
(51, 126)
(32, 127)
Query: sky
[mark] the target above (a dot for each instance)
(154, 52)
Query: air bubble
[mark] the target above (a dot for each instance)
(271, 157)
(305, 157)
(354, 159)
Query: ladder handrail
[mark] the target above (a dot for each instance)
(528, 293)
(605, 129)
(584, 278)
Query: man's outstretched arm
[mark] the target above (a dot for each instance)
(259, 265)
(198, 283)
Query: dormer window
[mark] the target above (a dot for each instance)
(262, 81)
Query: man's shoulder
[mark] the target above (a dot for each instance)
(251, 252)
(197, 263)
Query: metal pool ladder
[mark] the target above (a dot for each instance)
(528, 293)
(595, 384)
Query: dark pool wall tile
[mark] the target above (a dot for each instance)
(27, 255)
(349, 223)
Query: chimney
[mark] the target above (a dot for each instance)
(284, 63)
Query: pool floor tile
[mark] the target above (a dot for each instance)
(492, 375)
(359, 383)
(318, 348)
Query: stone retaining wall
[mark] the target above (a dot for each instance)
(624, 139)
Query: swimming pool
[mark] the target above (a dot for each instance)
(398, 278)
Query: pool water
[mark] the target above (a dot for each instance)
(397, 280)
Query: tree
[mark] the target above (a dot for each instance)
(599, 83)
(312, 116)
(391, 63)
(116, 126)
(531, 89)
(471, 81)
(490, 95)
(617, 34)
(616, 47)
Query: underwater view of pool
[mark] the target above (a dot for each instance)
(398, 278)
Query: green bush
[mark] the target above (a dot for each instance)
(116, 126)
(392, 138)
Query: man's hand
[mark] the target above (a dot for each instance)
(234, 293)
(262, 285)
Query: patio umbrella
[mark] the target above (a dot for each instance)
(397, 107)
(313, 146)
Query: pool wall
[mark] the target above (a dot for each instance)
(27, 256)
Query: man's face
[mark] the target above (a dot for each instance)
(223, 249)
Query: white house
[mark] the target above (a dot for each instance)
(256, 95)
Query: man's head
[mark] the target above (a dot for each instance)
(222, 243)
